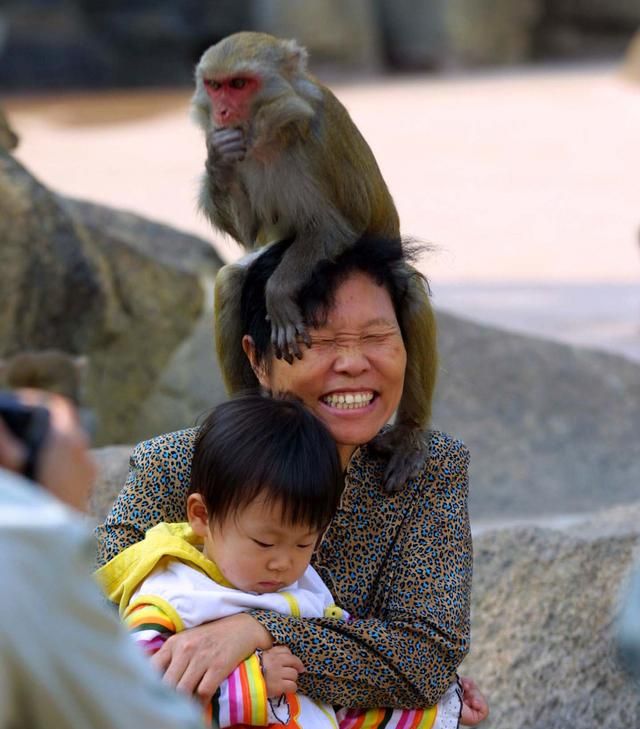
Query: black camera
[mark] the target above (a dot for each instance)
(30, 424)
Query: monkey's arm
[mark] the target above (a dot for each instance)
(404, 646)
(219, 192)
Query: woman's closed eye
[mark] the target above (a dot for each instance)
(320, 342)
(377, 338)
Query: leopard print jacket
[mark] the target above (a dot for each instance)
(400, 564)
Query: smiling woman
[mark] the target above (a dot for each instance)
(353, 374)
(399, 563)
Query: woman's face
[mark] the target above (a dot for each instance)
(353, 375)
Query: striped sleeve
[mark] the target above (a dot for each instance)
(150, 626)
(242, 697)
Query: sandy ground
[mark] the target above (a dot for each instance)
(527, 182)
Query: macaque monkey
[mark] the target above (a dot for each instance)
(284, 159)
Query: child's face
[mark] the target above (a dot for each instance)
(255, 549)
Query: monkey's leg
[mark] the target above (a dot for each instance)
(236, 371)
(298, 263)
(405, 444)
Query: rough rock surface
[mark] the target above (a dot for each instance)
(156, 241)
(552, 429)
(190, 382)
(543, 608)
(113, 465)
(75, 287)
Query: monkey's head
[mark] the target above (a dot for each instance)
(243, 71)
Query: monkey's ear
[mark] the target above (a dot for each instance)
(295, 58)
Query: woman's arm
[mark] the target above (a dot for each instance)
(155, 491)
(241, 696)
(406, 653)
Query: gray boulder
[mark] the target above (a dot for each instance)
(543, 610)
(190, 382)
(73, 286)
(155, 241)
(113, 465)
(551, 428)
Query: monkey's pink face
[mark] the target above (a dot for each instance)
(231, 98)
(353, 375)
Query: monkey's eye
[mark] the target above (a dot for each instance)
(215, 85)
(238, 83)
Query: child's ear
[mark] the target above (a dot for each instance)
(197, 515)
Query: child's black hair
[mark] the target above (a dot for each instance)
(273, 447)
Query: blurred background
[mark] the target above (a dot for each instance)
(506, 129)
(509, 134)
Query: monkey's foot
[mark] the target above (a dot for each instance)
(286, 340)
(287, 327)
(406, 450)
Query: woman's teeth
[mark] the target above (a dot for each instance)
(348, 400)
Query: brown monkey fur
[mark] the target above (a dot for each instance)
(285, 159)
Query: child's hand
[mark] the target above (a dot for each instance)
(280, 669)
(474, 705)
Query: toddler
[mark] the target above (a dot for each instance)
(266, 481)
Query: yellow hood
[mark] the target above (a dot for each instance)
(120, 577)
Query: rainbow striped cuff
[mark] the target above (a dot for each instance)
(242, 698)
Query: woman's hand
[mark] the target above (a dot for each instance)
(196, 661)
(280, 669)
(474, 705)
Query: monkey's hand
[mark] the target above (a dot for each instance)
(406, 449)
(287, 326)
(225, 148)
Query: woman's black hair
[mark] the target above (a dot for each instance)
(383, 259)
(273, 447)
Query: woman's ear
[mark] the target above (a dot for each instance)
(197, 515)
(258, 367)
